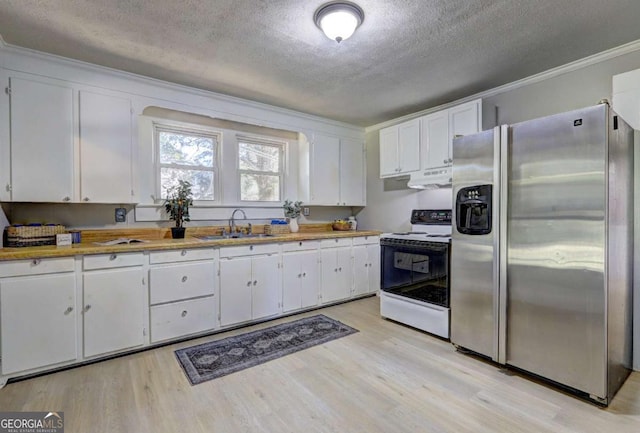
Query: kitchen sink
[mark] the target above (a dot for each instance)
(234, 236)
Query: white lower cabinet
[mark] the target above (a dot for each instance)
(114, 303)
(336, 276)
(182, 292)
(250, 286)
(38, 321)
(366, 265)
(299, 280)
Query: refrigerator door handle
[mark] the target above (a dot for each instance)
(501, 263)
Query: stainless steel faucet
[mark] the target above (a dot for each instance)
(232, 221)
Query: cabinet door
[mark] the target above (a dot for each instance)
(309, 279)
(325, 170)
(235, 290)
(409, 146)
(336, 274)
(352, 173)
(114, 305)
(38, 321)
(360, 270)
(389, 163)
(291, 281)
(105, 148)
(299, 280)
(464, 119)
(266, 286)
(42, 140)
(373, 254)
(435, 140)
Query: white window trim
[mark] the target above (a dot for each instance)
(179, 127)
(264, 141)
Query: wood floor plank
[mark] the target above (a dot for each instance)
(385, 378)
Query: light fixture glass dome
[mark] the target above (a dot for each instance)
(338, 20)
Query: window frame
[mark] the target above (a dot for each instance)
(179, 128)
(282, 145)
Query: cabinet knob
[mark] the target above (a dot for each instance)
(184, 313)
(184, 279)
(250, 247)
(67, 198)
(299, 275)
(248, 283)
(340, 269)
(68, 310)
(299, 244)
(85, 199)
(87, 307)
(445, 161)
(183, 253)
(113, 256)
(304, 274)
(255, 282)
(35, 262)
(335, 270)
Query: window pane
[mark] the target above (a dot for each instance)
(201, 181)
(259, 187)
(185, 149)
(257, 157)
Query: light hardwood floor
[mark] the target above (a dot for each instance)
(386, 378)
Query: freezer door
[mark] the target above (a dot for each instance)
(556, 209)
(473, 278)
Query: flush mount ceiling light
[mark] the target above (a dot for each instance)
(338, 20)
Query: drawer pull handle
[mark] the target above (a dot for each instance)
(113, 256)
(183, 253)
(68, 310)
(255, 282)
(87, 307)
(184, 279)
(35, 262)
(184, 313)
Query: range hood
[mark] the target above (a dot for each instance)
(431, 179)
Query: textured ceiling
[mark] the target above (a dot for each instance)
(407, 56)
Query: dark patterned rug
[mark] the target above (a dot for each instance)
(218, 358)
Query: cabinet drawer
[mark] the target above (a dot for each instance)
(172, 283)
(14, 268)
(366, 240)
(115, 260)
(300, 246)
(181, 255)
(182, 318)
(249, 250)
(337, 242)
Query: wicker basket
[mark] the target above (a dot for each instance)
(344, 226)
(29, 236)
(276, 229)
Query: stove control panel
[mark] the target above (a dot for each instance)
(431, 216)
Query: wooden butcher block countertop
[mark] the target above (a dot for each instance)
(160, 239)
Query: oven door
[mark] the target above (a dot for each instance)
(416, 271)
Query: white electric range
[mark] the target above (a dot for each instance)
(415, 272)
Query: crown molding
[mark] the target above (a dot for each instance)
(545, 75)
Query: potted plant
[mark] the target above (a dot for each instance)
(179, 198)
(292, 212)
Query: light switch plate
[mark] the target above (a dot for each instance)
(121, 214)
(305, 211)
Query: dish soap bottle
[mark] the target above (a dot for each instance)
(353, 223)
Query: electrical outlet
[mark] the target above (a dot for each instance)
(305, 211)
(121, 214)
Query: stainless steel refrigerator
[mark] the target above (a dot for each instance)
(541, 255)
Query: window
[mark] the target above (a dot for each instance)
(190, 155)
(260, 166)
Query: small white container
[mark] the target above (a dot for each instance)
(353, 222)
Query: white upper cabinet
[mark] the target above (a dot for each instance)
(42, 141)
(439, 129)
(105, 149)
(332, 172)
(400, 149)
(435, 144)
(68, 144)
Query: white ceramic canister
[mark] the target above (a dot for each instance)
(353, 223)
